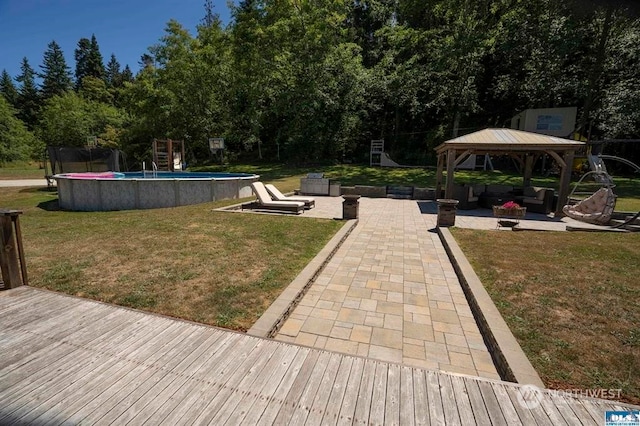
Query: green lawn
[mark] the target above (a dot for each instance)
(571, 300)
(219, 268)
(21, 170)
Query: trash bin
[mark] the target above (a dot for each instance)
(447, 212)
(334, 189)
(350, 206)
(12, 264)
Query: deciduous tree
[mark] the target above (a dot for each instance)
(16, 142)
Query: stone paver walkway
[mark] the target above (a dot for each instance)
(390, 293)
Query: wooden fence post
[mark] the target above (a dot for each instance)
(12, 262)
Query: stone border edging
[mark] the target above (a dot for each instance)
(274, 317)
(510, 360)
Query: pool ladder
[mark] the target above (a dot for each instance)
(154, 170)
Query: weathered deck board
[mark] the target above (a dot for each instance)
(420, 398)
(462, 401)
(324, 391)
(337, 393)
(287, 394)
(376, 415)
(195, 397)
(407, 411)
(264, 386)
(449, 404)
(348, 406)
(67, 361)
(363, 402)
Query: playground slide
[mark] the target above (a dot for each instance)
(386, 161)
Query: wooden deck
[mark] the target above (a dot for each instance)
(66, 360)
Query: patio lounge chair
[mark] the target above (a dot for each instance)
(265, 202)
(309, 202)
(597, 208)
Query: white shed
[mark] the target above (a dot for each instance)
(547, 121)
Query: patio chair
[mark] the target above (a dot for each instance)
(596, 209)
(265, 202)
(309, 202)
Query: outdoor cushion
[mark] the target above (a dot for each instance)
(534, 201)
(595, 209)
(309, 202)
(530, 191)
(266, 202)
(499, 189)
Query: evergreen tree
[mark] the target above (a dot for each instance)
(8, 89)
(95, 65)
(56, 77)
(82, 57)
(146, 61)
(28, 95)
(113, 75)
(126, 76)
(210, 17)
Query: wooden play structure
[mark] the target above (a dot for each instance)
(168, 155)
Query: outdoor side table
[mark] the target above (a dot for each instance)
(447, 211)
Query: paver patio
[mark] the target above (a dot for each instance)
(390, 293)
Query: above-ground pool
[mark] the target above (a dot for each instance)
(148, 190)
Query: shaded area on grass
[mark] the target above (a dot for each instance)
(190, 262)
(571, 300)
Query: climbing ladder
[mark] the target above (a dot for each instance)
(377, 149)
(168, 154)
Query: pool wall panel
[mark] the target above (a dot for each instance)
(141, 193)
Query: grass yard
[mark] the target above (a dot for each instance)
(571, 300)
(21, 170)
(190, 262)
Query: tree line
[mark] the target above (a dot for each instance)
(315, 80)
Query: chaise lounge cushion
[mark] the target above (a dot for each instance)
(309, 202)
(266, 202)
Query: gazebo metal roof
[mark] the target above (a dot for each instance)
(524, 146)
(488, 140)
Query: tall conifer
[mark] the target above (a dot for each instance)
(28, 95)
(112, 76)
(8, 89)
(95, 66)
(56, 76)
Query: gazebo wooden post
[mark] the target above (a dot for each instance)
(565, 181)
(451, 166)
(439, 171)
(528, 170)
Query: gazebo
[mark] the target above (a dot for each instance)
(524, 147)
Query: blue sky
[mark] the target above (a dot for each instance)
(123, 27)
